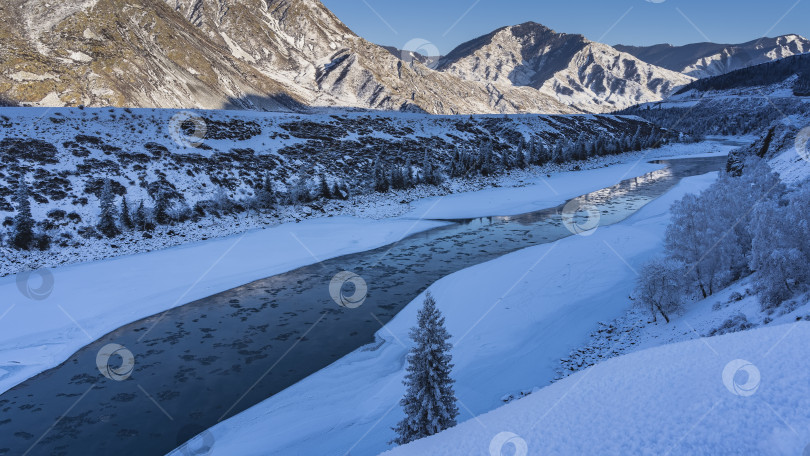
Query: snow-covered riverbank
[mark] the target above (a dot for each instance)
(87, 300)
(512, 319)
(507, 194)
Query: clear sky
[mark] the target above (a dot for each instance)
(448, 23)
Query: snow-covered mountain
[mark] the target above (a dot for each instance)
(745, 101)
(574, 70)
(711, 59)
(288, 54)
(277, 54)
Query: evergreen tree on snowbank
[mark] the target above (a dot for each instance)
(429, 402)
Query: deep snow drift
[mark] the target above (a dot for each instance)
(741, 393)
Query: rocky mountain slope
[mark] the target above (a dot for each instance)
(581, 73)
(275, 54)
(289, 54)
(702, 60)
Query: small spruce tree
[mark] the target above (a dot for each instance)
(161, 210)
(429, 402)
(22, 235)
(107, 220)
(126, 215)
(324, 187)
(139, 219)
(265, 195)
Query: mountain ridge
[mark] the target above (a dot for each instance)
(293, 55)
(576, 71)
(708, 59)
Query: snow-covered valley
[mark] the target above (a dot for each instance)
(505, 340)
(130, 282)
(326, 228)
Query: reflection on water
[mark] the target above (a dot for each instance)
(208, 360)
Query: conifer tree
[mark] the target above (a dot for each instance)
(126, 216)
(381, 183)
(324, 188)
(107, 223)
(161, 210)
(139, 219)
(22, 235)
(429, 402)
(265, 195)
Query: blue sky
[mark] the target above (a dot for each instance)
(447, 23)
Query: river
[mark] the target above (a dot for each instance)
(210, 359)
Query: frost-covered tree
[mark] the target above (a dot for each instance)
(300, 192)
(381, 182)
(107, 223)
(160, 213)
(429, 402)
(781, 248)
(265, 196)
(139, 218)
(659, 287)
(323, 189)
(126, 215)
(520, 159)
(408, 174)
(711, 232)
(692, 237)
(22, 233)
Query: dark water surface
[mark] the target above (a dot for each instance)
(213, 358)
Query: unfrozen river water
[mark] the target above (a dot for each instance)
(213, 358)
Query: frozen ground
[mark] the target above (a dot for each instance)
(92, 298)
(525, 311)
